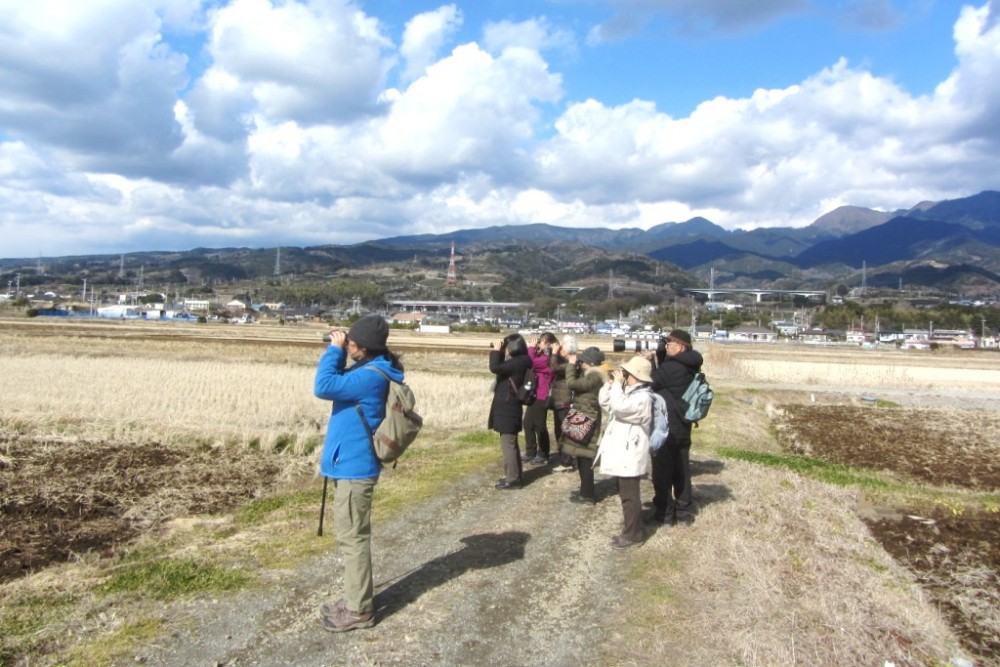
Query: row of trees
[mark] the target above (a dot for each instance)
(885, 316)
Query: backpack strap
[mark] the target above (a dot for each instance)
(386, 376)
(364, 420)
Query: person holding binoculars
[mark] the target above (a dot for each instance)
(509, 361)
(536, 431)
(624, 449)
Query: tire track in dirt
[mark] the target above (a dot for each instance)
(472, 576)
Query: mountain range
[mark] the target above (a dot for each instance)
(952, 246)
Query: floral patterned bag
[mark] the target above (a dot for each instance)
(578, 427)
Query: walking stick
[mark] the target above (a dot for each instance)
(322, 507)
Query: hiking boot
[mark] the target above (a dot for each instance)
(343, 619)
(539, 460)
(622, 542)
(577, 499)
(526, 457)
(331, 608)
(504, 485)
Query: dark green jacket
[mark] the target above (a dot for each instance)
(585, 387)
(558, 390)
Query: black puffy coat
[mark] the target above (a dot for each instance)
(670, 378)
(506, 411)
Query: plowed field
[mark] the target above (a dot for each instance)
(954, 552)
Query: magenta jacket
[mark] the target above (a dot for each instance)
(540, 364)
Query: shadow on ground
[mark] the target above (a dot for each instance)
(480, 552)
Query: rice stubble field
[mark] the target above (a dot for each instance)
(113, 433)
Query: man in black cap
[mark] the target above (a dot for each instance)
(676, 365)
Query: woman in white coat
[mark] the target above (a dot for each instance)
(624, 449)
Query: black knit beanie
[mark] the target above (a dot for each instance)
(592, 356)
(370, 332)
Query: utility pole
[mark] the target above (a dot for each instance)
(277, 262)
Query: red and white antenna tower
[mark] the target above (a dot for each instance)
(452, 273)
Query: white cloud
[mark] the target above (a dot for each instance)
(289, 135)
(535, 34)
(973, 89)
(313, 62)
(772, 158)
(93, 79)
(424, 35)
(181, 15)
(470, 111)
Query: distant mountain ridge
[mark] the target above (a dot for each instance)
(960, 233)
(851, 219)
(963, 234)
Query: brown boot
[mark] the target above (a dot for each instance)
(331, 608)
(343, 619)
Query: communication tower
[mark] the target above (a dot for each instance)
(452, 277)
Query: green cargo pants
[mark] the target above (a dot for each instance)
(352, 514)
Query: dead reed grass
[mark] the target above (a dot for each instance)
(777, 572)
(205, 392)
(852, 367)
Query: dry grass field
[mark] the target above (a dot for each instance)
(114, 430)
(108, 431)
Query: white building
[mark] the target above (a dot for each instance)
(196, 304)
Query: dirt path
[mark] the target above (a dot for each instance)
(474, 577)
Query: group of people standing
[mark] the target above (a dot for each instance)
(563, 380)
(621, 448)
(567, 379)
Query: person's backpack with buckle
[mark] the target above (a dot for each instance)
(661, 423)
(527, 392)
(401, 424)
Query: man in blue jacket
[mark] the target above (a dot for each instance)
(349, 458)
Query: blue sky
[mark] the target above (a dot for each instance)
(132, 125)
